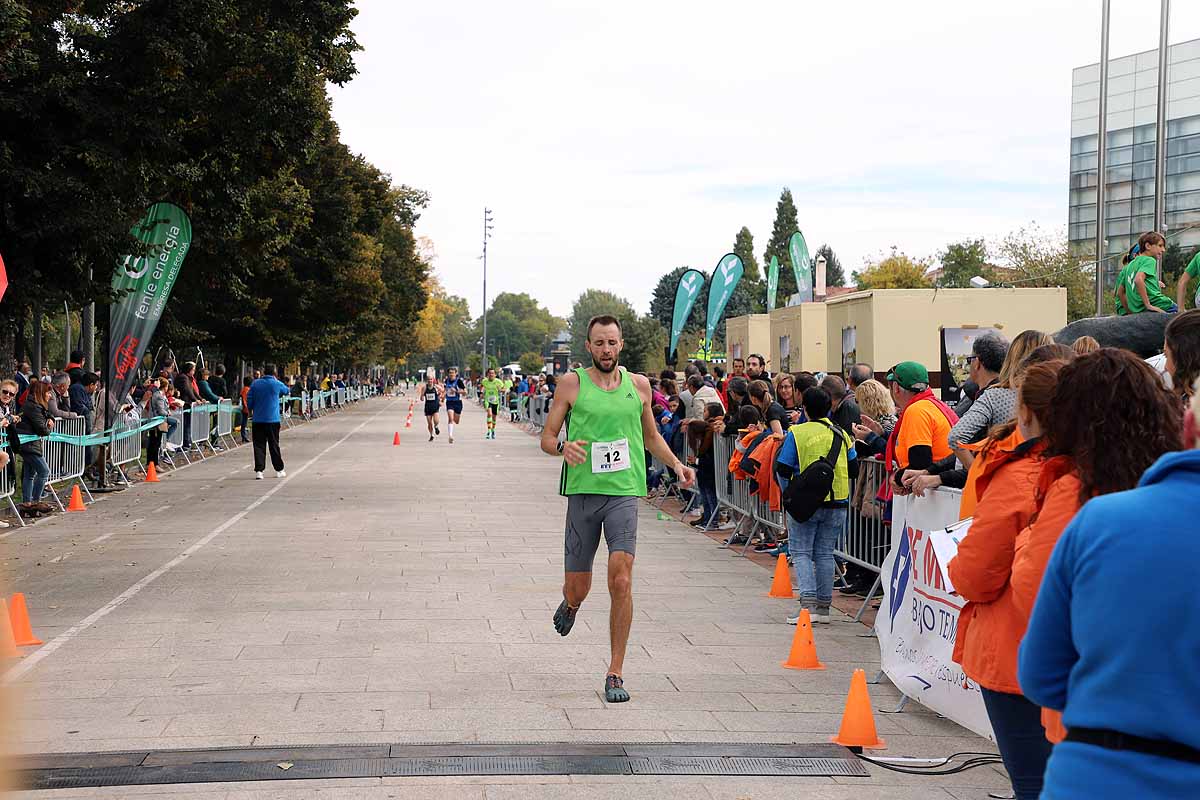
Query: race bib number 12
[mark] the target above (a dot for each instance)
(610, 456)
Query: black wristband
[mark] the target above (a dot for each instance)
(560, 448)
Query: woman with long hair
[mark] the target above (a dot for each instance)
(35, 421)
(990, 626)
(1110, 419)
(1182, 349)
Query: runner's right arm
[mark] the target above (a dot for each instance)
(568, 390)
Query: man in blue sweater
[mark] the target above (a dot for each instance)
(263, 402)
(1117, 659)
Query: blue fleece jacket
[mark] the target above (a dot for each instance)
(1114, 639)
(263, 398)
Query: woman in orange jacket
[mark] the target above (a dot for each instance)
(990, 626)
(1110, 419)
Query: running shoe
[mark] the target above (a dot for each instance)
(614, 690)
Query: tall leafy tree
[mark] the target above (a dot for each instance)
(1039, 258)
(517, 323)
(895, 271)
(786, 223)
(743, 246)
(834, 274)
(962, 261)
(593, 303)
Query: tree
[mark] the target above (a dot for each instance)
(1039, 258)
(743, 246)
(594, 303)
(786, 223)
(962, 261)
(518, 324)
(645, 341)
(896, 271)
(531, 362)
(834, 274)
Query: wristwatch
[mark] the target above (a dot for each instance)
(560, 448)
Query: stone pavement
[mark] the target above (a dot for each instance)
(404, 594)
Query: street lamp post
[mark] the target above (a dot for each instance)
(487, 234)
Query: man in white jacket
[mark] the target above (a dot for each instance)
(702, 395)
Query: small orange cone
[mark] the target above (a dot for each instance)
(8, 646)
(781, 586)
(151, 473)
(18, 616)
(76, 503)
(804, 650)
(858, 723)
(408, 422)
(396, 439)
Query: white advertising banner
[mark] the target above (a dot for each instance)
(918, 619)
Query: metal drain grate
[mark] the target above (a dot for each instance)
(79, 770)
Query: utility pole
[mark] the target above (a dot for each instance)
(1101, 152)
(487, 234)
(1160, 130)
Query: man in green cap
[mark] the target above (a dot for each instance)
(921, 435)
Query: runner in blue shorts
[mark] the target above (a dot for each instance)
(454, 388)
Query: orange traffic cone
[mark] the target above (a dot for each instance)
(18, 616)
(396, 439)
(8, 646)
(804, 650)
(858, 723)
(151, 473)
(408, 422)
(781, 586)
(76, 503)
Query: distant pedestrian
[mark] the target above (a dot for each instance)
(263, 402)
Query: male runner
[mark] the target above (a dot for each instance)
(433, 402)
(492, 387)
(454, 388)
(604, 475)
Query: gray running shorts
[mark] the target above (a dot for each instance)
(587, 514)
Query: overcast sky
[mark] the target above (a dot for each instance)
(615, 141)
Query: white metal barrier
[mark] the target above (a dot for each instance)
(66, 461)
(225, 421)
(200, 426)
(126, 446)
(8, 485)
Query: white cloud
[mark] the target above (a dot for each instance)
(617, 140)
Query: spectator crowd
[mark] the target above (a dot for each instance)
(1079, 467)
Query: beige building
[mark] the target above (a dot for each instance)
(884, 326)
(747, 334)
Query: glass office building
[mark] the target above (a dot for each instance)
(1132, 115)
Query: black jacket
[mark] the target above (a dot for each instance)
(217, 384)
(33, 421)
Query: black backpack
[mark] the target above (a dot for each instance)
(809, 490)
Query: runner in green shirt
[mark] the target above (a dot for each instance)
(492, 387)
(1190, 273)
(1139, 283)
(609, 429)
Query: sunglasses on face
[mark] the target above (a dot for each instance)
(971, 358)
(6, 393)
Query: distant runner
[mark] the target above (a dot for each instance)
(454, 388)
(432, 393)
(492, 389)
(604, 475)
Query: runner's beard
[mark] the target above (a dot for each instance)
(599, 364)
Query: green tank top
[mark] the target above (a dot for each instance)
(611, 424)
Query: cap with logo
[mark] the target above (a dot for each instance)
(910, 375)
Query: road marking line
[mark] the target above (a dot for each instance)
(66, 636)
(132, 523)
(223, 477)
(163, 507)
(61, 558)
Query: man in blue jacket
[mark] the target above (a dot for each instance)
(1117, 660)
(263, 402)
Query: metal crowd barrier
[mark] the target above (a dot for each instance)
(867, 539)
(126, 447)
(8, 486)
(200, 426)
(67, 462)
(225, 421)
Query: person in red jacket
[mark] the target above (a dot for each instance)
(990, 626)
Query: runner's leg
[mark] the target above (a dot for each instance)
(620, 616)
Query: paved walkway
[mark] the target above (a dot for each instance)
(404, 594)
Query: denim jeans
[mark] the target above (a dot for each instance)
(33, 477)
(708, 499)
(1017, 724)
(810, 544)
